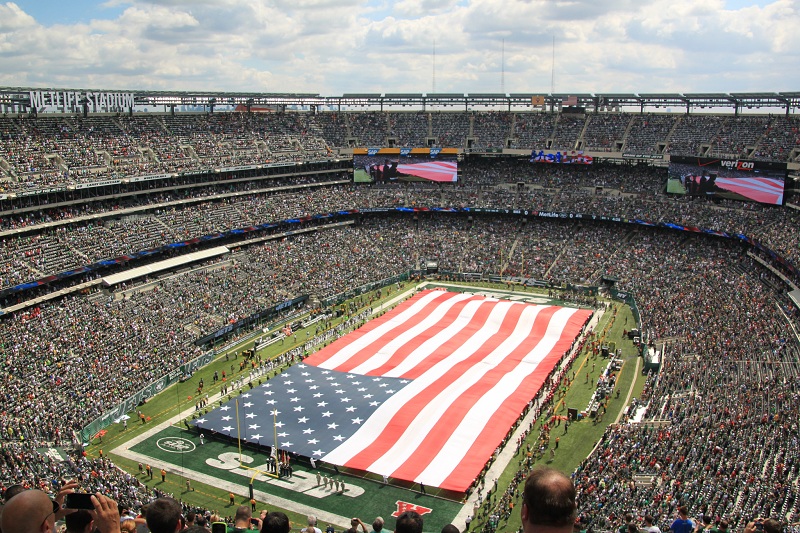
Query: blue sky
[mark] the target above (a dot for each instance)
(333, 47)
(48, 12)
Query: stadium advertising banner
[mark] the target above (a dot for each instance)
(632, 155)
(394, 152)
(733, 179)
(377, 167)
(549, 156)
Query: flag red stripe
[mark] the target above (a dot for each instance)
(367, 352)
(474, 363)
(486, 442)
(450, 419)
(447, 348)
(401, 420)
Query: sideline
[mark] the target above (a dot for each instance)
(630, 390)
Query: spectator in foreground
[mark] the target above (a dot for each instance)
(29, 511)
(649, 525)
(312, 523)
(12, 491)
(682, 524)
(242, 520)
(409, 522)
(32, 510)
(768, 525)
(79, 522)
(548, 502)
(355, 523)
(164, 515)
(276, 522)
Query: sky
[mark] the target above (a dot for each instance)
(333, 47)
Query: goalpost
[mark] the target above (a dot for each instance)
(275, 453)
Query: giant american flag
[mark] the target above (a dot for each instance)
(424, 393)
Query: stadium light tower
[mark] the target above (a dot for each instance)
(433, 84)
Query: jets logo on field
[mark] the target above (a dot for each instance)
(175, 445)
(402, 507)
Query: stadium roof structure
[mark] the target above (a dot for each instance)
(36, 99)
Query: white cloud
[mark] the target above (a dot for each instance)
(334, 46)
(420, 8)
(13, 18)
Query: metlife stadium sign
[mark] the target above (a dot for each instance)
(70, 101)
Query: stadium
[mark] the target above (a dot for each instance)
(171, 259)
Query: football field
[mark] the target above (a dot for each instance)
(215, 467)
(216, 463)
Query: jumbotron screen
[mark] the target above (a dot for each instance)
(753, 181)
(391, 168)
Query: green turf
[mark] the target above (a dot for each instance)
(674, 186)
(378, 500)
(203, 495)
(361, 176)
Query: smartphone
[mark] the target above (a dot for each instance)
(219, 527)
(254, 521)
(78, 500)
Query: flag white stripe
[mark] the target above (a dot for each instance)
(373, 427)
(384, 329)
(429, 346)
(386, 353)
(462, 438)
(430, 418)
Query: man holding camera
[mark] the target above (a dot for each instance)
(243, 520)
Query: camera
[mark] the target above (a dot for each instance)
(78, 500)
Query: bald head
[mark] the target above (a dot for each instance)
(30, 511)
(549, 501)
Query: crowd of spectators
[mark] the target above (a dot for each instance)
(646, 131)
(410, 128)
(603, 131)
(722, 412)
(720, 428)
(625, 192)
(568, 129)
(450, 129)
(47, 469)
(781, 136)
(490, 130)
(69, 150)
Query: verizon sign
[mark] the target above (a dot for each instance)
(738, 165)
